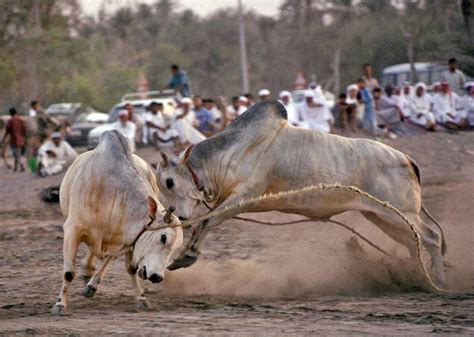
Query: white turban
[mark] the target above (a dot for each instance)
(420, 85)
(284, 93)
(264, 92)
(186, 100)
(123, 113)
(309, 93)
(243, 99)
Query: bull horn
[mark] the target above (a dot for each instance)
(164, 160)
(168, 213)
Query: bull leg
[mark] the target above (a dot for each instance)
(70, 245)
(398, 230)
(88, 267)
(189, 255)
(91, 287)
(140, 299)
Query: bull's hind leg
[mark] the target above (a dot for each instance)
(70, 245)
(88, 268)
(394, 226)
(91, 287)
(140, 299)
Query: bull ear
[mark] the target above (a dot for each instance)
(152, 206)
(187, 153)
(154, 165)
(164, 160)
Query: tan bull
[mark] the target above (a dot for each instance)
(261, 153)
(109, 199)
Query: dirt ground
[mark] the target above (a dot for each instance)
(312, 278)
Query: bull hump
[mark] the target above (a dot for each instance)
(262, 111)
(114, 144)
(259, 120)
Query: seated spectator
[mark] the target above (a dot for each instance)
(448, 110)
(126, 127)
(287, 101)
(159, 127)
(203, 117)
(386, 108)
(55, 155)
(420, 107)
(264, 95)
(185, 123)
(217, 116)
(315, 113)
(469, 103)
(403, 99)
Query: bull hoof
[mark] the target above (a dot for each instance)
(88, 291)
(86, 278)
(143, 305)
(59, 310)
(184, 262)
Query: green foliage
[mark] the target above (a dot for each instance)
(65, 56)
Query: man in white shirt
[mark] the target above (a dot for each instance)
(315, 113)
(235, 109)
(35, 106)
(54, 155)
(159, 127)
(420, 107)
(185, 123)
(455, 77)
(127, 128)
(287, 101)
(264, 95)
(447, 109)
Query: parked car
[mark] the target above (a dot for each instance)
(79, 131)
(68, 112)
(398, 74)
(139, 106)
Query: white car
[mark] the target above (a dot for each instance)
(139, 106)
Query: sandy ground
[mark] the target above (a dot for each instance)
(312, 278)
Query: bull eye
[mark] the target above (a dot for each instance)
(163, 239)
(169, 183)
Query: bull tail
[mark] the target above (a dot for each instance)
(415, 167)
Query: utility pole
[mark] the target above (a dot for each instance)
(243, 50)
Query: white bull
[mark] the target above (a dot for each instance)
(261, 153)
(109, 198)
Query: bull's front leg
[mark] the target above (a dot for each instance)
(91, 287)
(141, 301)
(190, 253)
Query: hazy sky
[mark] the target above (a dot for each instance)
(202, 7)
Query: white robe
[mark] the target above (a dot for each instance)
(468, 105)
(448, 103)
(160, 120)
(185, 127)
(292, 113)
(316, 118)
(129, 131)
(421, 105)
(64, 154)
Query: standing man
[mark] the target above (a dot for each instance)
(16, 131)
(264, 95)
(179, 81)
(455, 77)
(35, 107)
(126, 127)
(370, 81)
(287, 101)
(368, 120)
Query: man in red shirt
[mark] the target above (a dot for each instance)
(16, 131)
